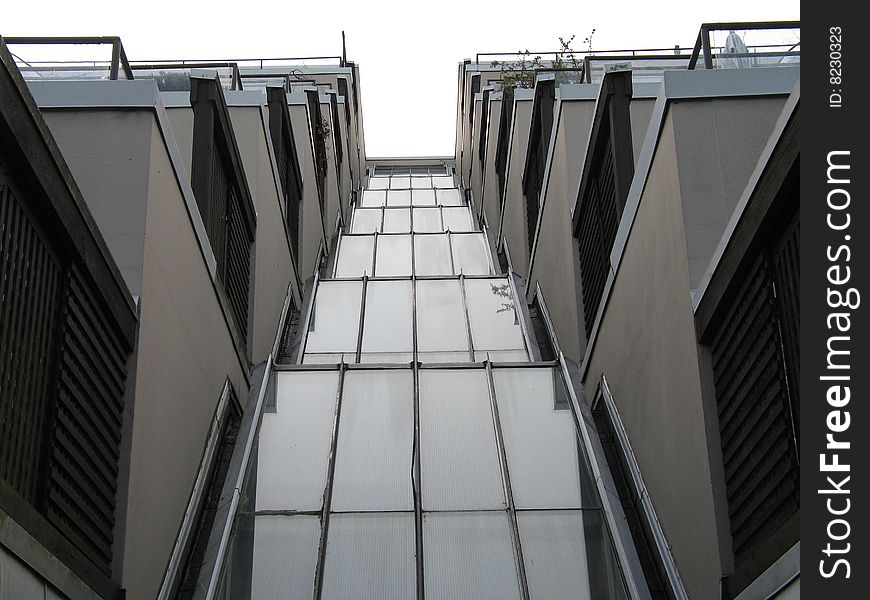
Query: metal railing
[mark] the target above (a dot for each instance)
(739, 54)
(117, 67)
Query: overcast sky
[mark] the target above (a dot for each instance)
(407, 52)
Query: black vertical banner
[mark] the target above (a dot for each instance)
(835, 300)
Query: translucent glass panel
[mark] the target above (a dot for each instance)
(568, 554)
(458, 455)
(470, 254)
(540, 440)
(394, 255)
(457, 218)
(449, 197)
(399, 198)
(469, 555)
(378, 183)
(443, 181)
(421, 182)
(373, 198)
(493, 315)
(294, 442)
(334, 324)
(397, 220)
(427, 220)
(370, 556)
(432, 255)
(366, 220)
(283, 558)
(388, 319)
(441, 318)
(355, 256)
(423, 197)
(400, 183)
(375, 442)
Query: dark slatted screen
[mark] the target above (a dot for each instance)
(318, 128)
(599, 221)
(607, 173)
(222, 197)
(30, 280)
(536, 158)
(336, 126)
(484, 126)
(281, 131)
(87, 429)
(753, 391)
(504, 129)
(62, 378)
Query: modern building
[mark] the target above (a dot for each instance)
(241, 359)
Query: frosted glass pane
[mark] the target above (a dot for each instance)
(334, 321)
(440, 316)
(400, 183)
(501, 356)
(397, 220)
(388, 325)
(449, 197)
(427, 220)
(355, 256)
(294, 441)
(443, 357)
(366, 220)
(432, 255)
(469, 555)
(399, 198)
(379, 183)
(421, 182)
(371, 556)
(457, 218)
(394, 255)
(568, 554)
(373, 198)
(540, 440)
(443, 181)
(493, 315)
(423, 197)
(283, 560)
(470, 254)
(458, 456)
(375, 442)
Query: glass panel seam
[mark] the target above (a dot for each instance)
(362, 314)
(327, 493)
(467, 318)
(415, 483)
(506, 481)
(450, 248)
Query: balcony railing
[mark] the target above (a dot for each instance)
(747, 45)
(175, 75)
(35, 59)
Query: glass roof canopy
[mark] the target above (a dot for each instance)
(414, 450)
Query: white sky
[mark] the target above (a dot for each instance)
(408, 53)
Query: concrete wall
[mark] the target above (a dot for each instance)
(514, 218)
(185, 354)
(311, 233)
(718, 144)
(490, 200)
(273, 268)
(556, 252)
(181, 118)
(646, 347)
(107, 151)
(640, 110)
